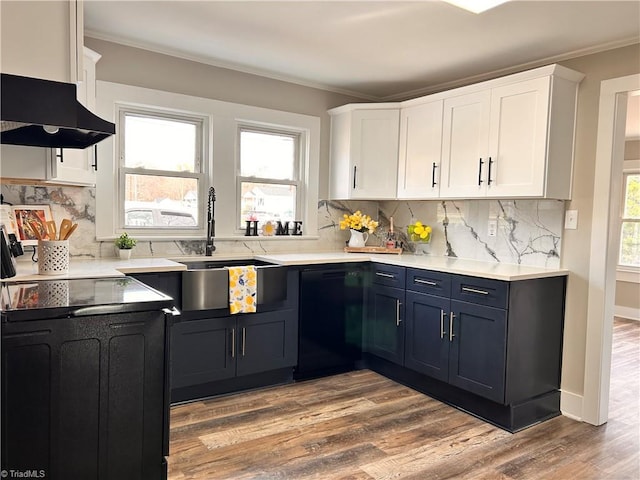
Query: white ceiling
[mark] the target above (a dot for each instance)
(377, 50)
(380, 50)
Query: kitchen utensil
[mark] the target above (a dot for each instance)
(71, 230)
(35, 229)
(51, 229)
(65, 226)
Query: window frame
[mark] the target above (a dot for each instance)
(222, 118)
(298, 167)
(199, 173)
(622, 266)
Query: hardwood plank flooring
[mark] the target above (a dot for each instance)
(362, 426)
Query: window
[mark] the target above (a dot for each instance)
(161, 172)
(630, 233)
(270, 172)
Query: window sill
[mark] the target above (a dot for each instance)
(628, 274)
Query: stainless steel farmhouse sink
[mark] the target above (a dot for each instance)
(205, 284)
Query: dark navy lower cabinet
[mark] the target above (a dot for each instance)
(478, 349)
(384, 327)
(213, 352)
(492, 348)
(427, 335)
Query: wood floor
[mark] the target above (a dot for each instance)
(361, 425)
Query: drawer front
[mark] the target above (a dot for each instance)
(482, 291)
(388, 275)
(426, 281)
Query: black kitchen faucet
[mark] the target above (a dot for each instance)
(211, 222)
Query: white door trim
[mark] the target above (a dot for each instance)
(604, 250)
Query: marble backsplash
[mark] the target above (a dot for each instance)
(528, 231)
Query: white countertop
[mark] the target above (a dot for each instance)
(28, 271)
(474, 268)
(90, 268)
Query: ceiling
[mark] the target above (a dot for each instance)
(378, 50)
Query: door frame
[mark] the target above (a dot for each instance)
(605, 237)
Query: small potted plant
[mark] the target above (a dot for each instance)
(124, 244)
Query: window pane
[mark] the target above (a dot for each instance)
(159, 201)
(160, 144)
(266, 201)
(630, 244)
(632, 197)
(267, 155)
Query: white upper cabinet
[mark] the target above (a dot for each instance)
(57, 166)
(511, 137)
(78, 166)
(465, 141)
(514, 139)
(420, 151)
(42, 39)
(364, 151)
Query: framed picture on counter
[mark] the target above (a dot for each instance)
(31, 221)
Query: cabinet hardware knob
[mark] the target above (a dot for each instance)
(426, 282)
(474, 290)
(451, 318)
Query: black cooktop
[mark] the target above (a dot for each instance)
(48, 299)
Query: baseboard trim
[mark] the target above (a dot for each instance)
(627, 312)
(571, 405)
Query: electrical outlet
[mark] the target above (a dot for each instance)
(492, 228)
(571, 220)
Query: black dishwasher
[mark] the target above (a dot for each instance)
(330, 322)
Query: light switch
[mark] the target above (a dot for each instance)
(571, 220)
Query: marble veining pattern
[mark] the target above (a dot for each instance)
(528, 231)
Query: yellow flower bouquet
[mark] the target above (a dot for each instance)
(359, 222)
(418, 232)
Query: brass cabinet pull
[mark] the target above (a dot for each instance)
(244, 339)
(474, 290)
(398, 320)
(451, 318)
(385, 275)
(233, 343)
(442, 332)
(426, 282)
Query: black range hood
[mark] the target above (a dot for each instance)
(44, 113)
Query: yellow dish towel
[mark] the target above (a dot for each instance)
(243, 286)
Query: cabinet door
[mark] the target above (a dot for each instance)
(267, 341)
(465, 142)
(26, 398)
(374, 153)
(420, 151)
(478, 349)
(518, 139)
(427, 335)
(203, 351)
(384, 325)
(85, 397)
(72, 165)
